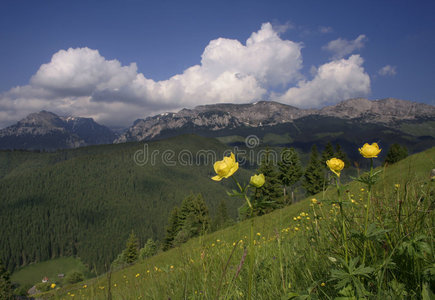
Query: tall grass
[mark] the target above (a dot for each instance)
(300, 250)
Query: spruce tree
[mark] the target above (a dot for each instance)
(174, 226)
(313, 176)
(132, 249)
(269, 196)
(194, 216)
(327, 154)
(339, 153)
(290, 170)
(5, 284)
(395, 153)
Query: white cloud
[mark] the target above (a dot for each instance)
(388, 71)
(334, 81)
(325, 29)
(82, 82)
(341, 47)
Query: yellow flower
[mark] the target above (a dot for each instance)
(137, 275)
(53, 285)
(370, 151)
(397, 186)
(257, 180)
(335, 165)
(85, 286)
(314, 200)
(225, 168)
(323, 284)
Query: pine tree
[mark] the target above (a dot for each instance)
(290, 170)
(5, 284)
(174, 226)
(269, 196)
(342, 155)
(132, 249)
(313, 176)
(395, 153)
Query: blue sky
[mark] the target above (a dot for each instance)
(117, 61)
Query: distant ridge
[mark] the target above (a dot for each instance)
(47, 131)
(269, 113)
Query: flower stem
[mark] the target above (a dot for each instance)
(343, 224)
(369, 195)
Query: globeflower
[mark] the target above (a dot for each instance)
(225, 168)
(257, 180)
(335, 165)
(370, 151)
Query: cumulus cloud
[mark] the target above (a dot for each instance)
(82, 82)
(341, 47)
(387, 71)
(340, 79)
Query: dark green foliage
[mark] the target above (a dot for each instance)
(194, 215)
(191, 220)
(222, 219)
(327, 154)
(132, 249)
(290, 169)
(270, 195)
(5, 283)
(148, 250)
(395, 153)
(174, 226)
(43, 286)
(339, 153)
(74, 277)
(73, 202)
(313, 176)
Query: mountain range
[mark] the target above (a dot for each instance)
(45, 130)
(268, 113)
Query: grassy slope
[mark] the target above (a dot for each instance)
(154, 278)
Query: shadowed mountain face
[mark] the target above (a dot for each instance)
(223, 117)
(45, 130)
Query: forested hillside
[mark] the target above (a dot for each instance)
(86, 201)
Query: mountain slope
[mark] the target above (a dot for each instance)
(70, 202)
(288, 258)
(47, 131)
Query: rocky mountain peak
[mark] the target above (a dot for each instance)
(46, 130)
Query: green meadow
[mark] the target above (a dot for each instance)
(51, 269)
(358, 240)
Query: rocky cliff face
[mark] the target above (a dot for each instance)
(269, 113)
(45, 130)
(379, 111)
